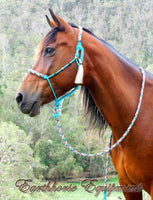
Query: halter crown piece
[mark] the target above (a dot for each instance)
(78, 80)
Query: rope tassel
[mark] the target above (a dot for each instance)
(79, 75)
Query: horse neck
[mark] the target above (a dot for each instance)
(114, 84)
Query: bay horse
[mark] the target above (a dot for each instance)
(111, 85)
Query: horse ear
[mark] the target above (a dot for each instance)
(60, 23)
(50, 22)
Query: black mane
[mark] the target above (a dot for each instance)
(49, 37)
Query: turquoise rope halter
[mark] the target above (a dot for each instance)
(78, 58)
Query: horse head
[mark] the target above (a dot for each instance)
(56, 50)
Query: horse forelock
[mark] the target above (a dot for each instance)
(48, 38)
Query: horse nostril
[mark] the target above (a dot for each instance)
(19, 98)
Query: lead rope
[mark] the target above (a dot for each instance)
(107, 169)
(57, 111)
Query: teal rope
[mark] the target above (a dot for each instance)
(61, 69)
(107, 168)
(104, 193)
(56, 113)
(57, 102)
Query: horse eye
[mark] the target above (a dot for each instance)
(49, 51)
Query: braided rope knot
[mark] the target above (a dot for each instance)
(56, 112)
(45, 77)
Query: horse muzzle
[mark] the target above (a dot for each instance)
(28, 103)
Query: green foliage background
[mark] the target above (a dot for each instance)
(30, 147)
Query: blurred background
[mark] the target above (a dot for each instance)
(31, 147)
